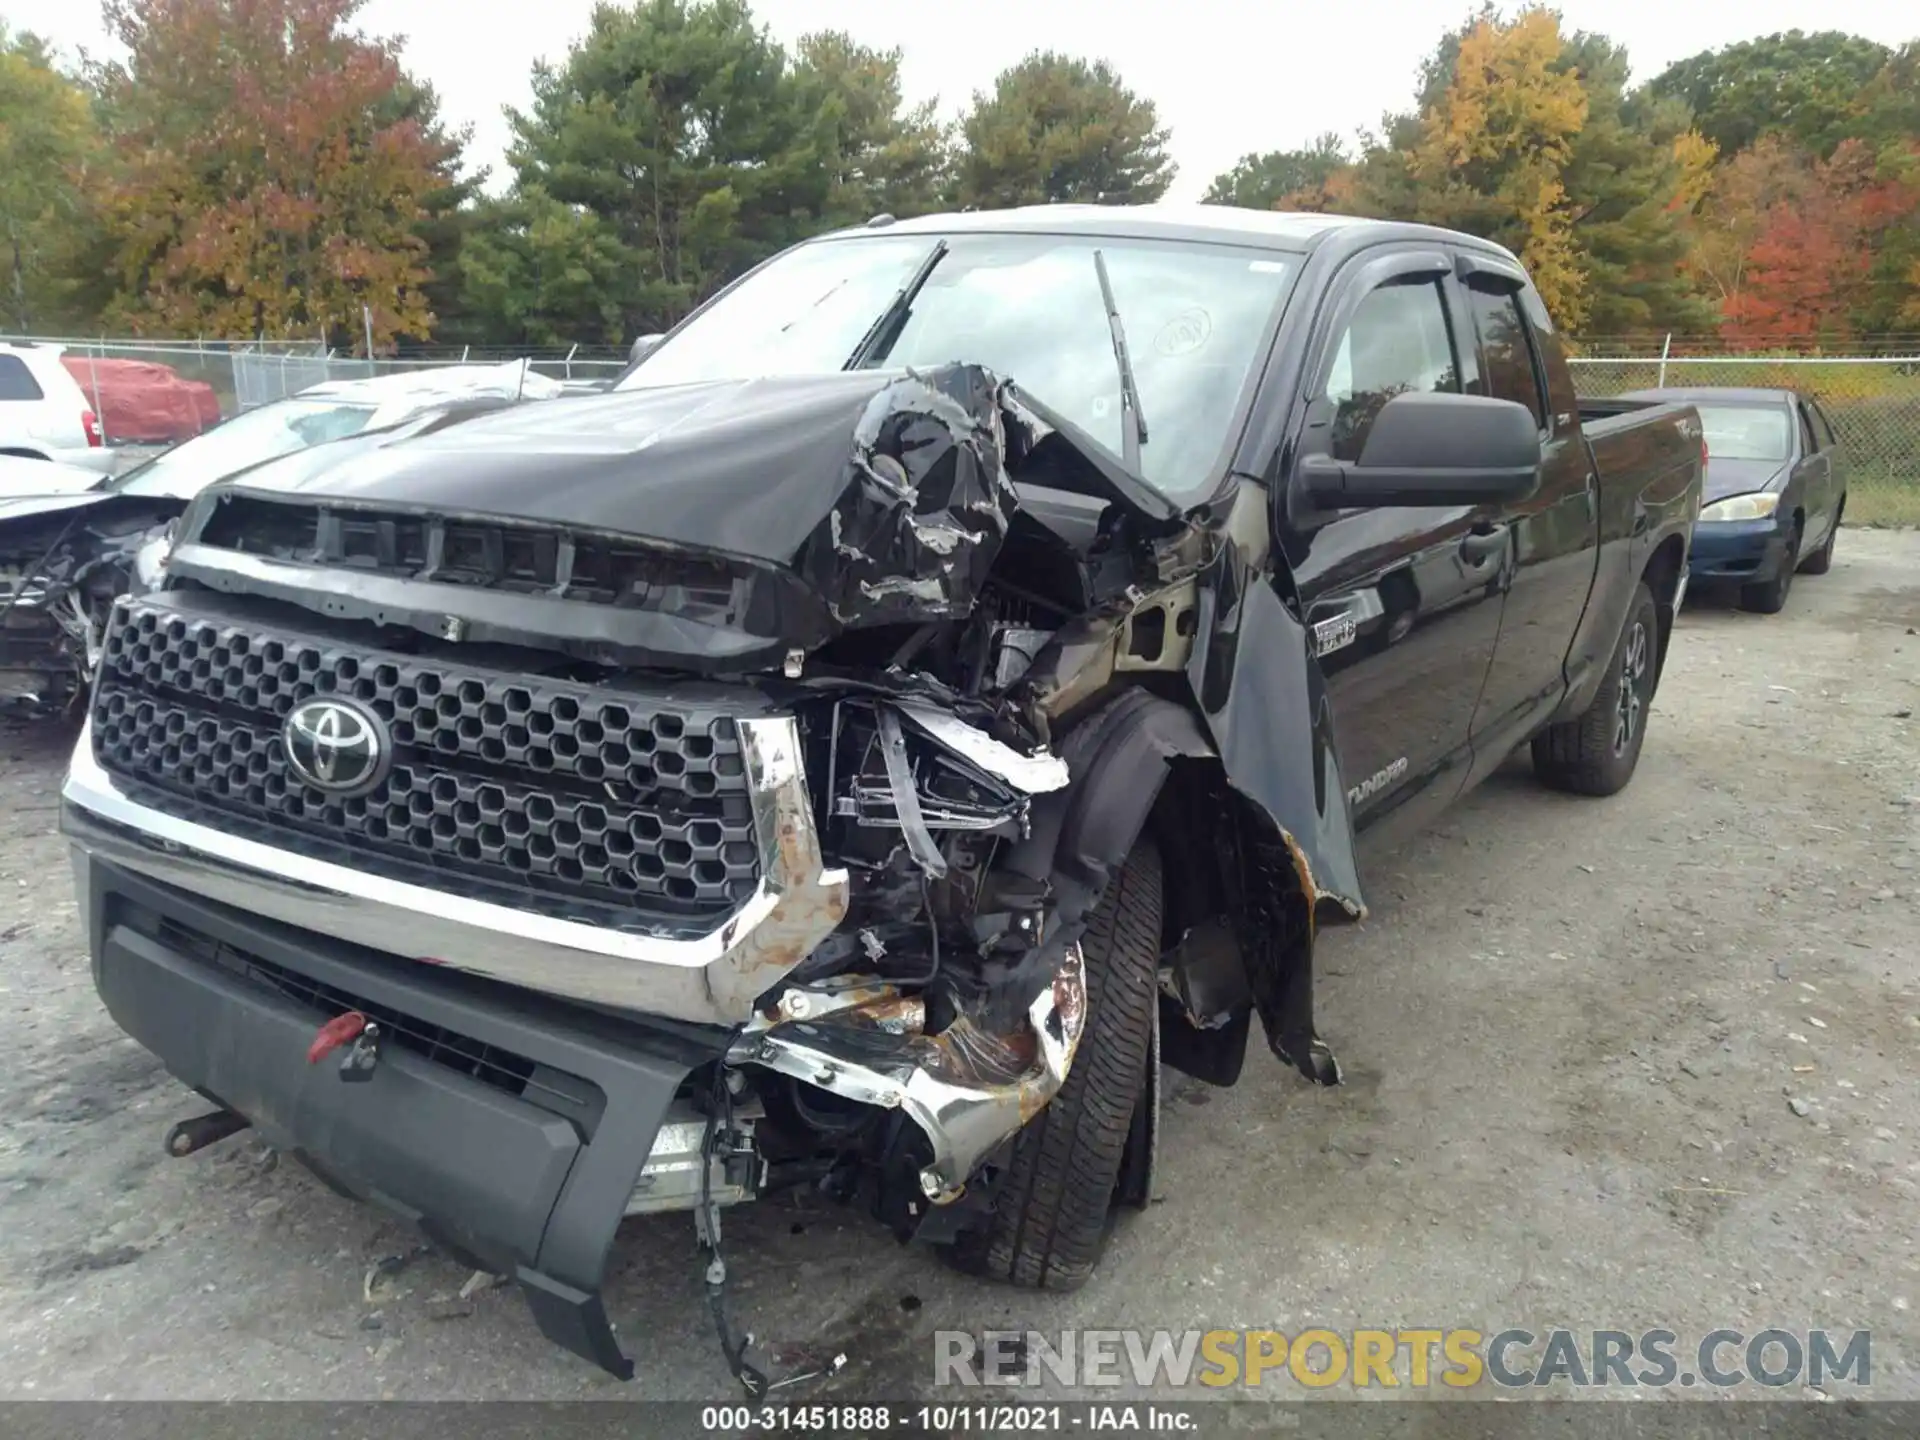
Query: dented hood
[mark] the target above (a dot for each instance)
(835, 501)
(747, 468)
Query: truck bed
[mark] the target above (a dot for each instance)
(1652, 440)
(1612, 413)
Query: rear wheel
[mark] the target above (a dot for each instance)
(1770, 598)
(1821, 560)
(1595, 753)
(1054, 1207)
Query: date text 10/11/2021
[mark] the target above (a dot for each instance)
(958, 1419)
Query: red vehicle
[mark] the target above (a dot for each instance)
(140, 402)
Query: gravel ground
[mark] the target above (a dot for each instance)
(1647, 1061)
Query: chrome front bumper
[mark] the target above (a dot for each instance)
(711, 979)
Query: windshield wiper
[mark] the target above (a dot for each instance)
(1133, 418)
(880, 338)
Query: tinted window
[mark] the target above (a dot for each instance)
(1396, 342)
(1821, 427)
(16, 381)
(1559, 376)
(1505, 349)
(1807, 443)
(1029, 308)
(1745, 432)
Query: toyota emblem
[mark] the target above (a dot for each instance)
(339, 746)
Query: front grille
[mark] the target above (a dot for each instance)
(550, 792)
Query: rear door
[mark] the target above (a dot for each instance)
(1836, 457)
(1403, 604)
(1554, 530)
(1819, 493)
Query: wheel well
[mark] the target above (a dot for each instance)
(1663, 579)
(1236, 921)
(23, 454)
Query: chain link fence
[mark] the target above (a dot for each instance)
(1873, 403)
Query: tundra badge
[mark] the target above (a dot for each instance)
(1376, 782)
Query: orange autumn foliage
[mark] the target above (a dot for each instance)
(269, 179)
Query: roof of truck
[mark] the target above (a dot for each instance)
(1294, 231)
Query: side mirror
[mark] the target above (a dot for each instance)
(643, 347)
(1433, 449)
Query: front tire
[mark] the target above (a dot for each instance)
(1821, 560)
(1053, 1210)
(1596, 752)
(1770, 598)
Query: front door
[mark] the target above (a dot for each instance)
(1403, 604)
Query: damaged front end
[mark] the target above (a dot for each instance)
(63, 562)
(845, 771)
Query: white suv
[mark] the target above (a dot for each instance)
(44, 414)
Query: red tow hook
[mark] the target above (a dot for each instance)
(357, 1065)
(335, 1033)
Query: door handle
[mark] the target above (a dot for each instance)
(1483, 543)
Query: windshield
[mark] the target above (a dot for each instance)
(1746, 432)
(249, 438)
(1029, 308)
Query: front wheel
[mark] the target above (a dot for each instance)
(1596, 752)
(1770, 597)
(1053, 1210)
(1821, 560)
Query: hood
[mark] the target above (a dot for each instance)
(747, 517)
(1726, 478)
(747, 468)
(26, 507)
(21, 478)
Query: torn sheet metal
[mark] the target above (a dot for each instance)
(1034, 774)
(1271, 722)
(926, 504)
(967, 1088)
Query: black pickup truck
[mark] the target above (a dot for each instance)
(947, 677)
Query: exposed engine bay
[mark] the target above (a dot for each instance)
(62, 564)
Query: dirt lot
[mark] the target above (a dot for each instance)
(1578, 1038)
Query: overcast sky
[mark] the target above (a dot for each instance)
(1229, 76)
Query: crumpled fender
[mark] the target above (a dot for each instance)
(1121, 756)
(1271, 723)
(1269, 718)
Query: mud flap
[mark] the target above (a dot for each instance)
(574, 1320)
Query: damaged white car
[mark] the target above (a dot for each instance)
(71, 540)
